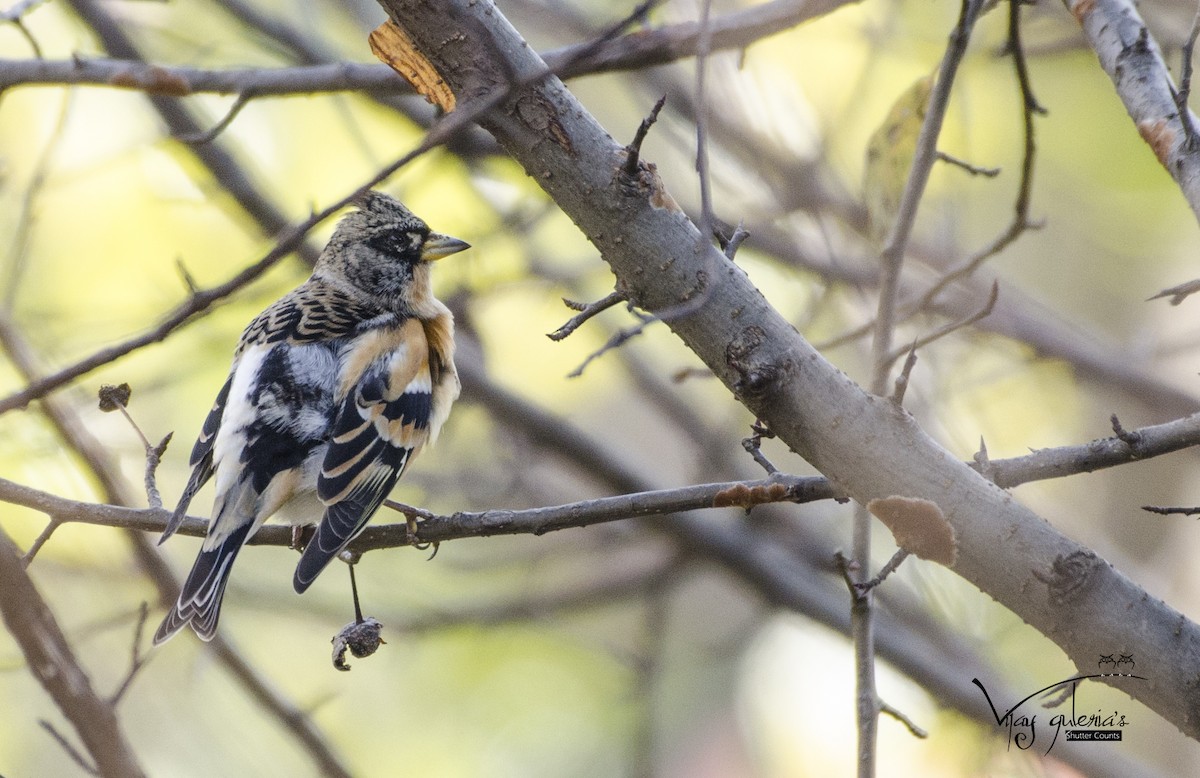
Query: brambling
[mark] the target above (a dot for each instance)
(333, 390)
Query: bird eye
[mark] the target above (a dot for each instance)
(394, 243)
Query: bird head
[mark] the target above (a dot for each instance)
(384, 251)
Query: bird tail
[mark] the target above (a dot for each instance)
(342, 523)
(199, 601)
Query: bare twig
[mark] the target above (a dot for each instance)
(901, 385)
(209, 135)
(586, 311)
(730, 245)
(634, 149)
(116, 398)
(892, 258)
(753, 446)
(136, 660)
(1182, 94)
(892, 565)
(69, 747)
(618, 339)
(1131, 439)
(894, 248)
(40, 541)
(16, 17)
(975, 170)
(983, 463)
(1165, 511)
(947, 329)
(1178, 293)
(703, 45)
(903, 719)
(25, 219)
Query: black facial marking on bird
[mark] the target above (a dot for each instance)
(333, 390)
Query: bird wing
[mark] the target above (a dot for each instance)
(382, 422)
(201, 460)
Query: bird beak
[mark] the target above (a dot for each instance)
(438, 246)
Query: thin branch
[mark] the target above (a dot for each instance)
(1020, 221)
(1185, 83)
(69, 747)
(730, 245)
(1044, 464)
(892, 566)
(983, 463)
(892, 259)
(635, 51)
(975, 170)
(1165, 511)
(1132, 440)
(136, 660)
(586, 311)
(901, 385)
(116, 398)
(209, 135)
(618, 339)
(896, 244)
(176, 81)
(634, 149)
(1178, 293)
(41, 540)
(753, 446)
(947, 329)
(703, 46)
(911, 725)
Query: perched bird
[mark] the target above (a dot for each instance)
(333, 389)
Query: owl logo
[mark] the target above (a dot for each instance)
(1106, 659)
(1126, 659)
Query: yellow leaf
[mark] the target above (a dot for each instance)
(890, 154)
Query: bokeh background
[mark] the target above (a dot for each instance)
(616, 649)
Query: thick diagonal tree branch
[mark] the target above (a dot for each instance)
(864, 443)
(1131, 58)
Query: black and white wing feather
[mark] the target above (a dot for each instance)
(383, 421)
